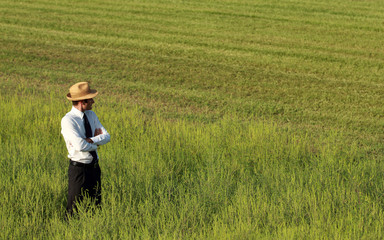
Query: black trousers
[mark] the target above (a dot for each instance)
(83, 182)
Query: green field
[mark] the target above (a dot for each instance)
(229, 119)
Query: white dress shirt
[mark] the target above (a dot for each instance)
(73, 130)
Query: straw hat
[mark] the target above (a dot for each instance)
(81, 91)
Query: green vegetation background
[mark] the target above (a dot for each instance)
(229, 119)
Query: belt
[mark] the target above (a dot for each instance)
(79, 164)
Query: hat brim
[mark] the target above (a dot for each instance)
(92, 94)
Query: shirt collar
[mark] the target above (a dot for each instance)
(77, 112)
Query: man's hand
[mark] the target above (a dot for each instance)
(89, 140)
(98, 131)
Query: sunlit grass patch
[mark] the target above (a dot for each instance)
(181, 179)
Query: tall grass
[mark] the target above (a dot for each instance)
(231, 179)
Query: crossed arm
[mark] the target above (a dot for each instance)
(71, 133)
(98, 131)
(101, 136)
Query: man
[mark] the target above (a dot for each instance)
(83, 133)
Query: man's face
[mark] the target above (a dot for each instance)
(87, 104)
